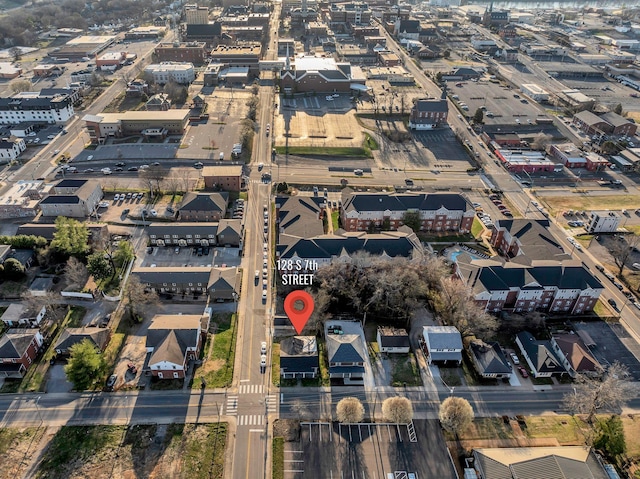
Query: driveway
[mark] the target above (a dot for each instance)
(57, 382)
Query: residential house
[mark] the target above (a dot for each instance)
(442, 344)
(99, 337)
(574, 355)
(392, 340)
(489, 360)
(17, 314)
(172, 342)
(299, 357)
(230, 232)
(346, 353)
(224, 177)
(523, 240)
(18, 349)
(199, 281)
(11, 148)
(437, 211)
(429, 114)
(538, 462)
(540, 356)
(158, 102)
(137, 87)
(72, 198)
(203, 206)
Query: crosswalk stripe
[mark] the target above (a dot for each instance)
(250, 420)
(251, 389)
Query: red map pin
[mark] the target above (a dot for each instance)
(298, 305)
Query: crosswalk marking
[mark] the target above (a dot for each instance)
(251, 389)
(272, 403)
(251, 420)
(232, 405)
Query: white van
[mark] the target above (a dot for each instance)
(636, 266)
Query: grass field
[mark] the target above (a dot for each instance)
(584, 202)
(17, 446)
(354, 152)
(217, 370)
(277, 465)
(202, 448)
(476, 228)
(566, 429)
(404, 371)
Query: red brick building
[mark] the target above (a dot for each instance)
(173, 341)
(18, 349)
(437, 211)
(190, 52)
(224, 177)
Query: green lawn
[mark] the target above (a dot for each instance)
(277, 464)
(566, 429)
(335, 220)
(323, 151)
(404, 371)
(110, 356)
(324, 364)
(476, 228)
(218, 370)
(275, 364)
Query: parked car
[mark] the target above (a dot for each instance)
(111, 382)
(263, 347)
(613, 303)
(515, 358)
(523, 372)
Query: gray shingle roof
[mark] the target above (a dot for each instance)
(443, 337)
(171, 335)
(214, 202)
(204, 229)
(14, 343)
(432, 105)
(540, 353)
(71, 336)
(344, 348)
(490, 357)
(403, 202)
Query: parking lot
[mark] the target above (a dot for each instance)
(372, 451)
(504, 106)
(187, 256)
(611, 345)
(443, 150)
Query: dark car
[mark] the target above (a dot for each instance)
(126, 211)
(133, 168)
(612, 303)
(119, 168)
(120, 163)
(111, 382)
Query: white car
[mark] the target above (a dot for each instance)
(103, 204)
(263, 347)
(515, 359)
(116, 197)
(264, 295)
(263, 360)
(153, 213)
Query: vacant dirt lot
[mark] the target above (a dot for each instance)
(17, 447)
(149, 451)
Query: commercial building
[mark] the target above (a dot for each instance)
(11, 148)
(116, 125)
(437, 211)
(320, 74)
(165, 72)
(57, 109)
(225, 177)
(147, 32)
(606, 222)
(606, 124)
(195, 15)
(354, 13)
(192, 52)
(394, 75)
(9, 70)
(111, 60)
(429, 114)
(21, 200)
(535, 92)
(86, 46)
(520, 161)
(238, 56)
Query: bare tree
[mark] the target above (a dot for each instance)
(456, 414)
(350, 410)
(19, 86)
(541, 141)
(187, 177)
(50, 301)
(622, 249)
(610, 390)
(153, 178)
(397, 410)
(76, 273)
(138, 296)
(172, 184)
(456, 305)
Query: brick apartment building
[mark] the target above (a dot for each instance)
(190, 52)
(438, 211)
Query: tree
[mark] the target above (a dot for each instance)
(610, 437)
(70, 238)
(252, 103)
(19, 86)
(76, 273)
(618, 109)
(124, 253)
(455, 304)
(85, 364)
(609, 147)
(177, 93)
(350, 410)
(610, 390)
(16, 54)
(621, 250)
(541, 141)
(456, 414)
(13, 269)
(99, 266)
(153, 178)
(138, 296)
(397, 410)
(412, 220)
(478, 116)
